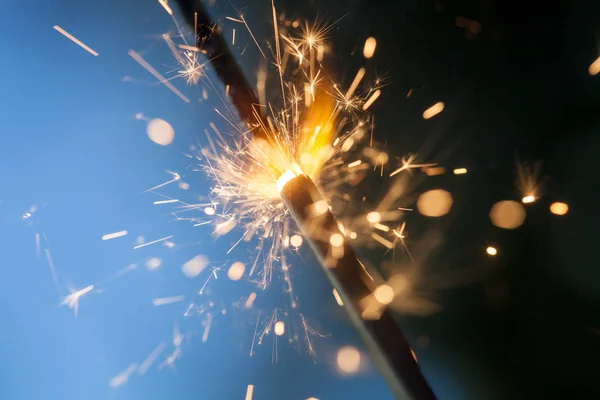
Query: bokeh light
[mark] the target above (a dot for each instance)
(508, 214)
(434, 203)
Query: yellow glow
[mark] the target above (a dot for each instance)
(369, 48)
(317, 131)
(528, 199)
(285, 178)
(559, 208)
(384, 294)
(491, 251)
(460, 171)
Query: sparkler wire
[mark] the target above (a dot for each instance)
(383, 337)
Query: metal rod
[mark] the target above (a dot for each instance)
(383, 337)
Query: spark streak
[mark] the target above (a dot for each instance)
(167, 300)
(115, 235)
(75, 40)
(139, 246)
(157, 74)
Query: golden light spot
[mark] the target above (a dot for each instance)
(209, 211)
(491, 251)
(594, 68)
(348, 360)
(279, 328)
(296, 240)
(434, 203)
(353, 235)
(236, 271)
(374, 217)
(559, 208)
(507, 214)
(160, 132)
(528, 199)
(195, 266)
(369, 48)
(384, 294)
(285, 178)
(460, 171)
(321, 207)
(433, 110)
(336, 240)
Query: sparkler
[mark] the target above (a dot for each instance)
(276, 159)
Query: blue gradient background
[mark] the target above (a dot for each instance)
(72, 146)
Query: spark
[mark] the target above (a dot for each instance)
(167, 300)
(170, 201)
(209, 319)
(460, 171)
(337, 297)
(249, 392)
(115, 235)
(166, 6)
(53, 271)
(75, 40)
(407, 164)
(369, 48)
(433, 110)
(139, 246)
(492, 251)
(123, 377)
(147, 363)
(72, 300)
(157, 74)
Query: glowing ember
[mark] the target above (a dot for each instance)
(559, 208)
(528, 199)
(369, 48)
(460, 171)
(491, 251)
(433, 110)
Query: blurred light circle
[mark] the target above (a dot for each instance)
(236, 271)
(193, 267)
(348, 359)
(559, 208)
(434, 203)
(160, 132)
(508, 214)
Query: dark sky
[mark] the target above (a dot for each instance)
(527, 326)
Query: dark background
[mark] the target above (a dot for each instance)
(526, 325)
